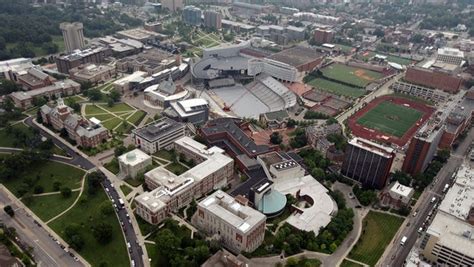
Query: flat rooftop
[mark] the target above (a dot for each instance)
(156, 130)
(134, 157)
(372, 147)
(296, 56)
(460, 197)
(241, 217)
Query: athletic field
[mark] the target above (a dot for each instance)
(351, 75)
(390, 118)
(337, 88)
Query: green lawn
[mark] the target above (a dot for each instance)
(112, 166)
(86, 214)
(137, 117)
(48, 173)
(125, 189)
(378, 230)
(112, 123)
(93, 109)
(152, 254)
(101, 117)
(133, 182)
(337, 88)
(355, 76)
(176, 168)
(46, 207)
(399, 60)
(118, 107)
(345, 48)
(32, 111)
(164, 154)
(124, 128)
(76, 98)
(347, 263)
(7, 140)
(390, 118)
(58, 151)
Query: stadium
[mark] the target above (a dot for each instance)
(221, 69)
(390, 119)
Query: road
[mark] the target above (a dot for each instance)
(80, 160)
(398, 254)
(46, 251)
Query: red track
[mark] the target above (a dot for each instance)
(366, 133)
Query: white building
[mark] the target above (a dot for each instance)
(170, 192)
(401, 192)
(158, 135)
(450, 55)
(133, 162)
(449, 240)
(237, 226)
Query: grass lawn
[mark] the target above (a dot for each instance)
(112, 166)
(86, 214)
(93, 109)
(125, 189)
(347, 263)
(124, 128)
(46, 207)
(176, 168)
(49, 172)
(390, 118)
(355, 76)
(337, 88)
(399, 60)
(133, 182)
(145, 227)
(137, 117)
(32, 111)
(7, 140)
(118, 107)
(101, 117)
(112, 123)
(164, 154)
(378, 230)
(345, 48)
(152, 254)
(58, 151)
(76, 98)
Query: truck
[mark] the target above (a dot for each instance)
(404, 239)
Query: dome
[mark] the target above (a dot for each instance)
(131, 156)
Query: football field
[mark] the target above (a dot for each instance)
(390, 118)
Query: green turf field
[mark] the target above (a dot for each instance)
(379, 229)
(337, 88)
(347, 74)
(390, 118)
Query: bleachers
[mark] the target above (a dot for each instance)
(271, 92)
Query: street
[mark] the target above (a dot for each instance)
(397, 254)
(46, 251)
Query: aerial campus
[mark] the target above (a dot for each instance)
(237, 133)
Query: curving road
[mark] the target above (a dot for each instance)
(78, 159)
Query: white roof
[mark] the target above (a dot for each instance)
(136, 76)
(372, 147)
(401, 190)
(134, 157)
(448, 51)
(460, 198)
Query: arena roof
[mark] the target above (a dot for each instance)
(296, 56)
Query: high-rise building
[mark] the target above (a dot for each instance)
(422, 148)
(212, 19)
(323, 36)
(172, 5)
(367, 162)
(73, 35)
(192, 15)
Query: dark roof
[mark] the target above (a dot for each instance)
(254, 176)
(155, 130)
(279, 115)
(433, 79)
(296, 56)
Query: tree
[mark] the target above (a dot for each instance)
(38, 189)
(66, 192)
(275, 138)
(443, 155)
(115, 95)
(9, 210)
(106, 207)
(94, 94)
(73, 236)
(110, 102)
(167, 242)
(103, 233)
(291, 123)
(120, 150)
(402, 177)
(7, 87)
(94, 181)
(379, 32)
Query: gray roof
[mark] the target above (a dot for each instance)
(279, 115)
(155, 130)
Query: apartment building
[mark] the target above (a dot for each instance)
(170, 192)
(192, 15)
(212, 19)
(158, 135)
(172, 5)
(367, 162)
(73, 35)
(237, 226)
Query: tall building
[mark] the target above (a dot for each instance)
(323, 36)
(212, 19)
(367, 162)
(422, 148)
(172, 5)
(449, 240)
(158, 135)
(237, 226)
(192, 15)
(73, 35)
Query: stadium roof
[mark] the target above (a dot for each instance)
(296, 56)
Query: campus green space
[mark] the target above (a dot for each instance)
(176, 168)
(45, 175)
(113, 166)
(101, 117)
(124, 128)
(48, 206)
(390, 118)
(137, 117)
(348, 263)
(337, 88)
(8, 140)
(86, 214)
(350, 75)
(111, 123)
(378, 230)
(120, 107)
(76, 98)
(93, 109)
(164, 154)
(345, 48)
(399, 60)
(125, 189)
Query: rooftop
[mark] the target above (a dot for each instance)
(296, 56)
(55, 86)
(156, 130)
(372, 147)
(460, 198)
(448, 51)
(241, 217)
(433, 79)
(134, 157)
(401, 190)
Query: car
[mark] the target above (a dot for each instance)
(415, 213)
(420, 230)
(71, 254)
(126, 215)
(433, 200)
(76, 258)
(351, 195)
(107, 189)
